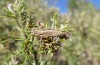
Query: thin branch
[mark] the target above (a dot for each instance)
(18, 22)
(36, 58)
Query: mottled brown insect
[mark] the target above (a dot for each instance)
(50, 39)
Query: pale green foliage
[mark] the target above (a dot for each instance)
(32, 47)
(81, 49)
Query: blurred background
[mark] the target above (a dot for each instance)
(83, 48)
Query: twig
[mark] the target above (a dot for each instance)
(36, 58)
(17, 21)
